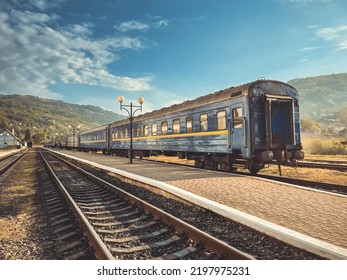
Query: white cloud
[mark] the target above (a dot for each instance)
(28, 17)
(308, 49)
(42, 5)
(132, 25)
(45, 4)
(34, 55)
(161, 23)
(313, 26)
(336, 35)
(135, 25)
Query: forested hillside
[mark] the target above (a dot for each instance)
(46, 118)
(323, 106)
(321, 95)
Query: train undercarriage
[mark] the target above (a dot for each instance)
(224, 162)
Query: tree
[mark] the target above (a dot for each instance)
(311, 126)
(38, 138)
(341, 115)
(3, 124)
(28, 136)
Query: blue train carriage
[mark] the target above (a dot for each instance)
(252, 124)
(95, 140)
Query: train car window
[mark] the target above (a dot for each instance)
(138, 131)
(164, 128)
(221, 120)
(203, 122)
(189, 124)
(237, 117)
(176, 126)
(154, 128)
(145, 130)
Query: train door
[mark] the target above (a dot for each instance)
(238, 128)
(108, 138)
(280, 132)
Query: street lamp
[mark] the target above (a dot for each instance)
(131, 117)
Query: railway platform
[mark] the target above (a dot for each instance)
(279, 209)
(5, 153)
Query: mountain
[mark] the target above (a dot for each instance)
(320, 96)
(46, 118)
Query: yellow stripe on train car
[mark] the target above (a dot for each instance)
(178, 135)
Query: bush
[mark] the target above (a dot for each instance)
(325, 147)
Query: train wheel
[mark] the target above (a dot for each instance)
(253, 169)
(254, 166)
(199, 163)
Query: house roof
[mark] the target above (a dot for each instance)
(9, 132)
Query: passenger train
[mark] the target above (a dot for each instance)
(252, 124)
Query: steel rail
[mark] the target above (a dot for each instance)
(11, 163)
(332, 166)
(217, 246)
(100, 249)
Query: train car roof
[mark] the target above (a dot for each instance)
(101, 127)
(217, 96)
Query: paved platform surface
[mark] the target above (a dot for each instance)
(317, 214)
(4, 153)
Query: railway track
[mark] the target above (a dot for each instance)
(9, 160)
(246, 239)
(38, 223)
(121, 226)
(69, 240)
(333, 166)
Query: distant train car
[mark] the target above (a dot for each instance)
(252, 124)
(72, 142)
(67, 142)
(95, 139)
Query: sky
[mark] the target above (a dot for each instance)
(166, 51)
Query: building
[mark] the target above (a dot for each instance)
(8, 140)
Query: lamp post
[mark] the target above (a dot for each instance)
(131, 116)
